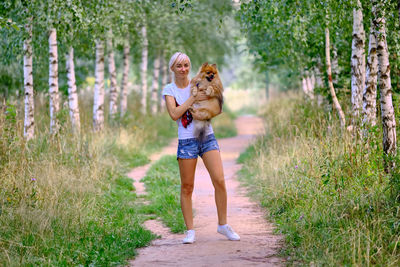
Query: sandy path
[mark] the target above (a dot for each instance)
(258, 246)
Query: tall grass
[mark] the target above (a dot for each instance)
(326, 190)
(65, 200)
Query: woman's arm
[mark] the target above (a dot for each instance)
(177, 112)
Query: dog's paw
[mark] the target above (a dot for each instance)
(192, 110)
(194, 91)
(209, 90)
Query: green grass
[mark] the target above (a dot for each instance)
(65, 200)
(162, 184)
(326, 190)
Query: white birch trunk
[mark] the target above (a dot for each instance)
(369, 93)
(72, 92)
(310, 87)
(335, 65)
(331, 88)
(318, 82)
(113, 79)
(98, 101)
(29, 120)
(164, 81)
(124, 86)
(144, 70)
(318, 78)
(304, 86)
(312, 81)
(385, 87)
(357, 62)
(53, 82)
(154, 90)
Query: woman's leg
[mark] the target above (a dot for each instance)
(187, 168)
(212, 161)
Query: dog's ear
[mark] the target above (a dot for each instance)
(205, 64)
(214, 65)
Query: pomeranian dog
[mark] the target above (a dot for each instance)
(207, 80)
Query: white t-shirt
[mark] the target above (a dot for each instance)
(181, 95)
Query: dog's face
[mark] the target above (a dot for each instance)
(208, 71)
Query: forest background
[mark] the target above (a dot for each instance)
(71, 126)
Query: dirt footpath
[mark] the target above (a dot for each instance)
(258, 246)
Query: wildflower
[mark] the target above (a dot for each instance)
(33, 179)
(296, 167)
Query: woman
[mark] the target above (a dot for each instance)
(178, 100)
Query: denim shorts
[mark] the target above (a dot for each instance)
(192, 148)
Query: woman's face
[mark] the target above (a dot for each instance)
(181, 69)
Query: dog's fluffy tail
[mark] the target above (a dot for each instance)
(200, 128)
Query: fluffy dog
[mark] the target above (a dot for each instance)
(207, 80)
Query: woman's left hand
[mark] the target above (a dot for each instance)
(201, 96)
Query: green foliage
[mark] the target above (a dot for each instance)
(326, 190)
(289, 35)
(162, 184)
(79, 24)
(64, 200)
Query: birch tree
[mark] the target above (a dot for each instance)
(72, 92)
(357, 61)
(385, 87)
(74, 19)
(329, 73)
(113, 77)
(310, 81)
(143, 69)
(53, 82)
(155, 85)
(164, 79)
(98, 102)
(124, 85)
(29, 120)
(369, 92)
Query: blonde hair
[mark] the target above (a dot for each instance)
(177, 58)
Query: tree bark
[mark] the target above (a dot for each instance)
(144, 70)
(266, 85)
(385, 87)
(318, 80)
(331, 88)
(29, 120)
(164, 80)
(304, 85)
(369, 93)
(154, 90)
(72, 92)
(357, 62)
(53, 82)
(335, 65)
(98, 102)
(124, 86)
(113, 78)
(310, 86)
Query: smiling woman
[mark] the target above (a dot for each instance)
(179, 99)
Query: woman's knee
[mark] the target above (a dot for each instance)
(187, 189)
(219, 184)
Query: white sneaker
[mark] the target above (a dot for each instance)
(227, 231)
(190, 237)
